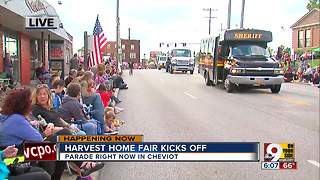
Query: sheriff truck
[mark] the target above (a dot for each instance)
(239, 57)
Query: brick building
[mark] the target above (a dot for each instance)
(306, 31)
(130, 50)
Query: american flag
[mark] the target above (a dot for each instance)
(99, 41)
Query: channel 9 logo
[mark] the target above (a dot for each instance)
(279, 156)
(278, 152)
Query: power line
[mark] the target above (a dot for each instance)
(210, 17)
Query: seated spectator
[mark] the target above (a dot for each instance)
(90, 97)
(308, 73)
(105, 95)
(316, 76)
(100, 76)
(17, 106)
(288, 75)
(299, 74)
(109, 126)
(72, 111)
(53, 79)
(57, 93)
(33, 173)
(72, 75)
(42, 74)
(119, 83)
(42, 105)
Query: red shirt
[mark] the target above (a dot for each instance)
(105, 96)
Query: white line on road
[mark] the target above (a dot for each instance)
(190, 95)
(316, 163)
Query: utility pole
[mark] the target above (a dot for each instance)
(85, 50)
(129, 33)
(118, 35)
(242, 14)
(210, 17)
(229, 14)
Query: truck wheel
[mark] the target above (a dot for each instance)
(228, 86)
(275, 89)
(191, 72)
(207, 80)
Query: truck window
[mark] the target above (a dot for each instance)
(181, 53)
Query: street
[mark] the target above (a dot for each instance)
(180, 107)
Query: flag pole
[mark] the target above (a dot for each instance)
(118, 36)
(85, 62)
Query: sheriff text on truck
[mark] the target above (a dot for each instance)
(239, 57)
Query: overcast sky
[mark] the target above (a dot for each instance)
(155, 21)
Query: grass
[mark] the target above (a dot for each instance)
(315, 63)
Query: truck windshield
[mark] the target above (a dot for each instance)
(162, 59)
(181, 53)
(249, 50)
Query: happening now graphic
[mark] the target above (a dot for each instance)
(279, 156)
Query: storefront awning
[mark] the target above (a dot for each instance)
(14, 12)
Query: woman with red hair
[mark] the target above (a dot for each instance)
(15, 128)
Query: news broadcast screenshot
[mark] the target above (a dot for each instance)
(159, 90)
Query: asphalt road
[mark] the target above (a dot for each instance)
(179, 107)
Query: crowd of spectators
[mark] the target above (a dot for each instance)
(83, 103)
(300, 70)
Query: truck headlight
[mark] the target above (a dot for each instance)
(237, 71)
(278, 71)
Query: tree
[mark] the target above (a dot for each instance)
(313, 4)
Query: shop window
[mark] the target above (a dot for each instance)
(34, 57)
(307, 38)
(300, 39)
(11, 55)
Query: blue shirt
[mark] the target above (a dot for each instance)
(56, 101)
(15, 129)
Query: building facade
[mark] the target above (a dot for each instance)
(130, 50)
(24, 49)
(306, 32)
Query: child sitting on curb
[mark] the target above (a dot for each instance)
(106, 98)
(112, 124)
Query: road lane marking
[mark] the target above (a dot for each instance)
(190, 95)
(316, 163)
(292, 101)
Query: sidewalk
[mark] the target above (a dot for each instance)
(304, 83)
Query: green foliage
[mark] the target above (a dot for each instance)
(299, 51)
(287, 50)
(313, 4)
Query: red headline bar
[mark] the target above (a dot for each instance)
(40, 151)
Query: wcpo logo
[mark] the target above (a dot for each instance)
(42, 22)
